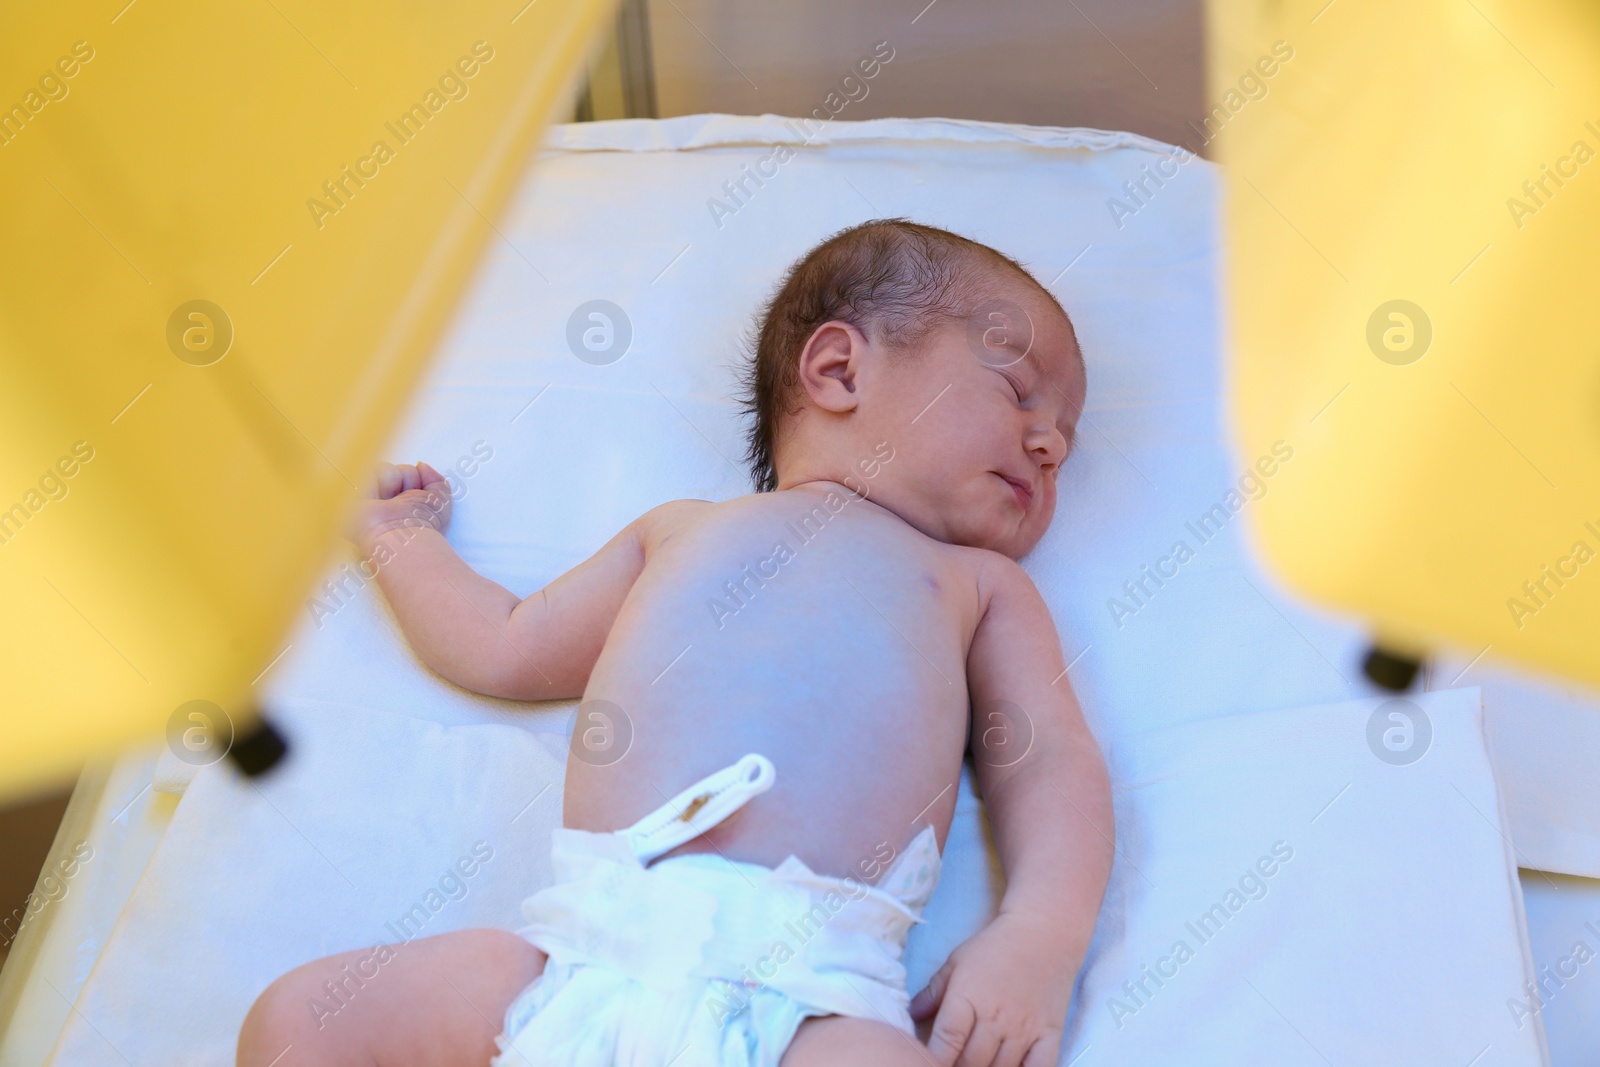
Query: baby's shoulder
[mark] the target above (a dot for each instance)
(661, 521)
(678, 509)
(995, 573)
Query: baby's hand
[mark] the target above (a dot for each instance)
(1001, 997)
(407, 495)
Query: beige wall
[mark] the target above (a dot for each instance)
(1134, 65)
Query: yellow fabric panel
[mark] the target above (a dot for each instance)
(1413, 194)
(315, 181)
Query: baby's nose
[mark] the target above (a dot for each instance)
(1048, 446)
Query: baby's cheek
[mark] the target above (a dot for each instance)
(1046, 518)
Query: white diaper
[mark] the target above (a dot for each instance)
(701, 960)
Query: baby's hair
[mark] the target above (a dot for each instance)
(892, 279)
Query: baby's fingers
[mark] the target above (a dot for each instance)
(982, 1043)
(952, 1028)
(1011, 1050)
(429, 476)
(925, 1003)
(1046, 1052)
(390, 481)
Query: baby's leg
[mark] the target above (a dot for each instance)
(436, 1002)
(836, 1040)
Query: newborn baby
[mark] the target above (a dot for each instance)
(778, 694)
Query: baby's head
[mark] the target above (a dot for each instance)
(893, 338)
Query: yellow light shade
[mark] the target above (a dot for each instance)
(233, 234)
(1413, 199)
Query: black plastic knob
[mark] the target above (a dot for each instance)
(1390, 670)
(258, 750)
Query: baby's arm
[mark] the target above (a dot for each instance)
(473, 631)
(1003, 995)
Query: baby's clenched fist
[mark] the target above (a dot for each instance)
(407, 496)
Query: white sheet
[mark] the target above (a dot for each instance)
(1564, 928)
(374, 809)
(1545, 742)
(377, 805)
(580, 450)
(115, 813)
(1384, 924)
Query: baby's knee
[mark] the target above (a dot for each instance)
(275, 1020)
(488, 968)
(503, 953)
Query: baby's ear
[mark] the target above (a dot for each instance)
(828, 366)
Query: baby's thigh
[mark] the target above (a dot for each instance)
(433, 1002)
(830, 1040)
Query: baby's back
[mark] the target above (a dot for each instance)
(810, 626)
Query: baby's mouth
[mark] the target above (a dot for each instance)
(1023, 492)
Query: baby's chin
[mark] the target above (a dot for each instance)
(1000, 533)
(1019, 540)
